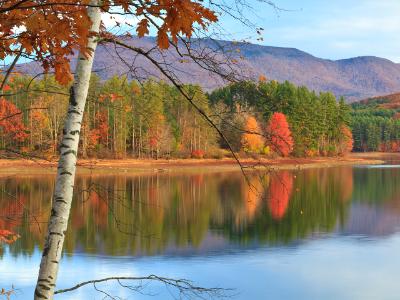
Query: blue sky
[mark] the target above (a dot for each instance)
(330, 29)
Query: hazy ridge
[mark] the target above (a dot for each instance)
(355, 78)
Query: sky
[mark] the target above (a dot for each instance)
(334, 29)
(329, 29)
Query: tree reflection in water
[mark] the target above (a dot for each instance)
(147, 214)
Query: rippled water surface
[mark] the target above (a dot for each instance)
(313, 234)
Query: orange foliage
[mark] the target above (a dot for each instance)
(99, 133)
(262, 78)
(47, 35)
(40, 119)
(348, 139)
(395, 146)
(11, 121)
(390, 146)
(311, 152)
(198, 154)
(280, 190)
(280, 135)
(114, 97)
(252, 140)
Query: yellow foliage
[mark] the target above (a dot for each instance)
(252, 140)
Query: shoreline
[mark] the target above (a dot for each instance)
(34, 166)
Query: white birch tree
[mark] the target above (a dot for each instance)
(64, 186)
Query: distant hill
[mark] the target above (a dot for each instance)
(355, 78)
(391, 101)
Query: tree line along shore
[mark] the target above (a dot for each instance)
(152, 120)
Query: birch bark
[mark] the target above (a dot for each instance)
(64, 186)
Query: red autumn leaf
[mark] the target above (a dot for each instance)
(143, 28)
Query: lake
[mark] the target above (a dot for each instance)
(330, 233)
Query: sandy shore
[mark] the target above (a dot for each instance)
(28, 166)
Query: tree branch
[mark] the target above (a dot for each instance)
(184, 286)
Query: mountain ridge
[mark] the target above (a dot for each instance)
(354, 78)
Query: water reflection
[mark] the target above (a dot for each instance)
(312, 234)
(168, 213)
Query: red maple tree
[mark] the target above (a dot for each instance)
(11, 123)
(280, 136)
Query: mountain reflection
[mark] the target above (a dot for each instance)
(152, 214)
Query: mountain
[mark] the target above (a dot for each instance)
(355, 78)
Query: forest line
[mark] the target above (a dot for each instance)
(126, 119)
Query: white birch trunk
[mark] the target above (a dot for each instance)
(63, 191)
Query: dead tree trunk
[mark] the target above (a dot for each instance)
(62, 197)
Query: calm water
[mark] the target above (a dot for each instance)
(313, 234)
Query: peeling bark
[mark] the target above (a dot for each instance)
(64, 185)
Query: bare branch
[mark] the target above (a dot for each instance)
(185, 287)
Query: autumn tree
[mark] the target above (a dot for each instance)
(252, 139)
(98, 134)
(279, 134)
(26, 31)
(11, 124)
(346, 142)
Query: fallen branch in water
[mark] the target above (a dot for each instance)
(185, 287)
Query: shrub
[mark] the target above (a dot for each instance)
(198, 154)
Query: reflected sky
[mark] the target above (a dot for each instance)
(331, 268)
